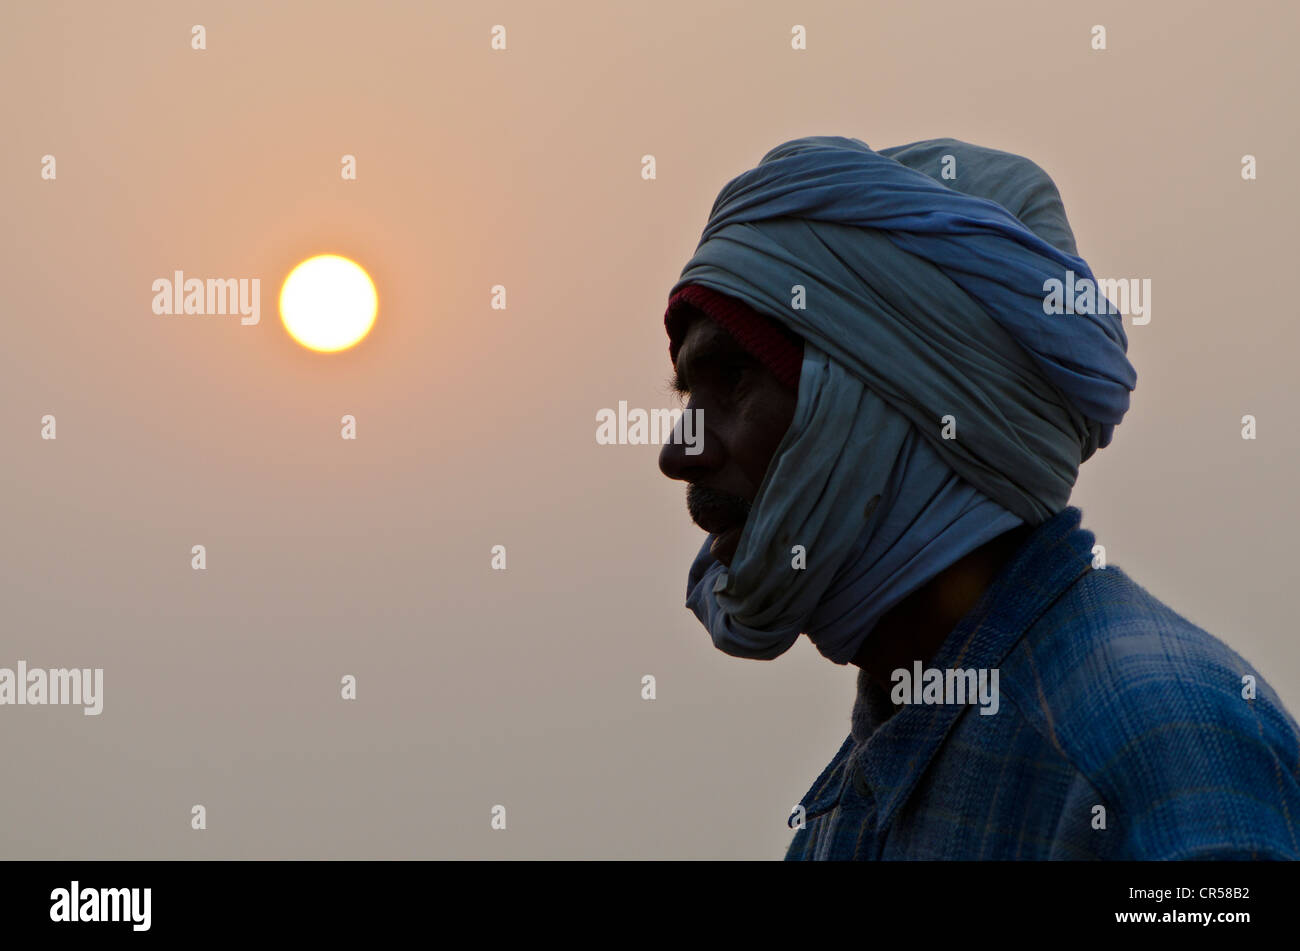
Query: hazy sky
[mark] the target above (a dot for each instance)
(475, 426)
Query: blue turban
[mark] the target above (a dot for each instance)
(939, 404)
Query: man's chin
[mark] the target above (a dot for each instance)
(724, 545)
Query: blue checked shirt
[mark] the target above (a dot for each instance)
(1123, 731)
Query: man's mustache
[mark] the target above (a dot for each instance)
(715, 511)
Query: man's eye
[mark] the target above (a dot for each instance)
(733, 374)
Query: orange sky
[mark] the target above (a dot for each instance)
(476, 426)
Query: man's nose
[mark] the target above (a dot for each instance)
(690, 451)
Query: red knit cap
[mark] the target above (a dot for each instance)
(763, 338)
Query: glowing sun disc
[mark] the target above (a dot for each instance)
(328, 303)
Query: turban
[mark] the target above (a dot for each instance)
(939, 403)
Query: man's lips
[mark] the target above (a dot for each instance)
(720, 514)
(717, 523)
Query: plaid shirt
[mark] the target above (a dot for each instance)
(1123, 732)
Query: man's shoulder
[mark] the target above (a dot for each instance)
(1175, 730)
(1108, 650)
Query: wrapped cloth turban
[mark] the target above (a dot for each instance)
(939, 403)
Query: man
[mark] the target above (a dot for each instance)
(894, 416)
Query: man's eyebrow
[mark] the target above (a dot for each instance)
(692, 358)
(717, 349)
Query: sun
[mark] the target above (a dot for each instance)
(328, 303)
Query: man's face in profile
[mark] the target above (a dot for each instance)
(746, 412)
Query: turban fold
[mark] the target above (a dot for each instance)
(939, 405)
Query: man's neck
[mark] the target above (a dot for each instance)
(916, 627)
